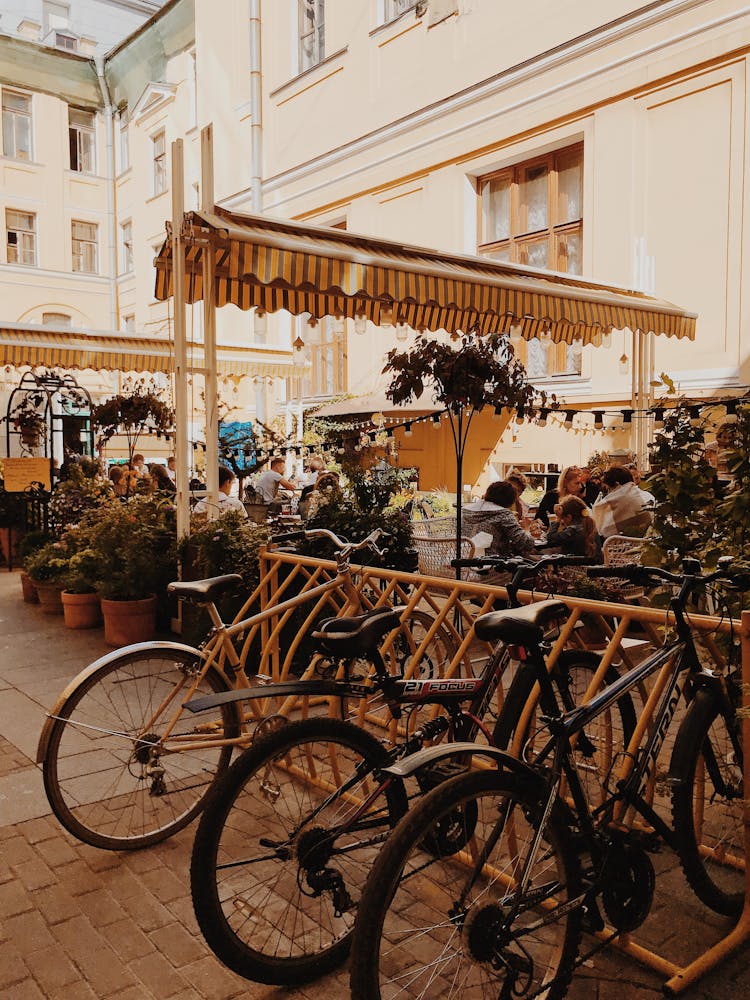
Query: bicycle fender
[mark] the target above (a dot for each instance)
(103, 661)
(410, 765)
(335, 688)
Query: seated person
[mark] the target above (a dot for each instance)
(495, 514)
(268, 483)
(574, 532)
(623, 508)
(224, 501)
(570, 483)
(325, 490)
(520, 482)
(161, 480)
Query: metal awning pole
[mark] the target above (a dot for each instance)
(182, 497)
(209, 329)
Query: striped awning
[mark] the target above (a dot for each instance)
(273, 264)
(63, 347)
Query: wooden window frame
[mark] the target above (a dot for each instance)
(82, 140)
(520, 236)
(316, 34)
(14, 115)
(19, 233)
(78, 243)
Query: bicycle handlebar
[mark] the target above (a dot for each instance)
(516, 563)
(636, 573)
(341, 544)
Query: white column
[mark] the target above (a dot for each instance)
(209, 328)
(182, 497)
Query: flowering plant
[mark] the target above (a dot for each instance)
(83, 490)
(49, 563)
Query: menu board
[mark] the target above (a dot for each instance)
(19, 473)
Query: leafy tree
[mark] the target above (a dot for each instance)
(133, 412)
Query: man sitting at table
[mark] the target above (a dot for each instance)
(495, 514)
(224, 501)
(268, 483)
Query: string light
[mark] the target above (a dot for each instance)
(407, 430)
(598, 419)
(627, 416)
(544, 413)
(569, 414)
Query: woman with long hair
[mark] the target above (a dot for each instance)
(574, 532)
(569, 483)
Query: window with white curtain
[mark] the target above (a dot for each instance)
(20, 234)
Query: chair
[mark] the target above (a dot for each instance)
(435, 527)
(619, 550)
(435, 552)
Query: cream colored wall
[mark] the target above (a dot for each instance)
(374, 135)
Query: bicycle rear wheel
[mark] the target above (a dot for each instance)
(595, 748)
(111, 777)
(707, 810)
(462, 925)
(280, 855)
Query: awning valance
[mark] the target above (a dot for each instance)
(30, 344)
(273, 264)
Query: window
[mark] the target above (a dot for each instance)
(311, 33)
(16, 125)
(325, 352)
(126, 248)
(82, 139)
(56, 319)
(128, 323)
(159, 147)
(67, 42)
(85, 249)
(20, 230)
(532, 214)
(124, 141)
(394, 8)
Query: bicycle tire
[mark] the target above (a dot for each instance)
(269, 919)
(95, 767)
(595, 749)
(704, 815)
(435, 927)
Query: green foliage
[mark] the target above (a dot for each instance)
(683, 484)
(354, 515)
(83, 490)
(573, 582)
(32, 541)
(482, 371)
(137, 409)
(133, 546)
(28, 419)
(228, 544)
(48, 563)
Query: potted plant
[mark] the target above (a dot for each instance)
(136, 410)
(47, 567)
(134, 556)
(31, 542)
(83, 490)
(81, 603)
(28, 422)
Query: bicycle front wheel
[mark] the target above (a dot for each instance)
(478, 924)
(112, 777)
(284, 846)
(707, 805)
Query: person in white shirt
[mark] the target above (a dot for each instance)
(170, 467)
(623, 508)
(225, 501)
(267, 484)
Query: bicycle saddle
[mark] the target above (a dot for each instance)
(205, 591)
(519, 625)
(358, 635)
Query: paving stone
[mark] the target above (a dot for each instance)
(101, 907)
(165, 885)
(57, 904)
(214, 982)
(179, 946)
(27, 990)
(147, 911)
(128, 940)
(29, 932)
(99, 964)
(52, 969)
(159, 975)
(14, 898)
(35, 874)
(13, 969)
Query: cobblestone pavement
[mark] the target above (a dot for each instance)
(76, 922)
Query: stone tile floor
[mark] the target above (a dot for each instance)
(76, 922)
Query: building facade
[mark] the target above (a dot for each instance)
(607, 139)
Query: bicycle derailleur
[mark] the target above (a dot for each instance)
(314, 849)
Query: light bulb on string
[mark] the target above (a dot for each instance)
(407, 430)
(598, 419)
(543, 414)
(569, 415)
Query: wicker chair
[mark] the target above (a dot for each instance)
(435, 552)
(619, 550)
(435, 527)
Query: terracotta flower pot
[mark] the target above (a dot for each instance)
(126, 622)
(29, 589)
(81, 610)
(49, 596)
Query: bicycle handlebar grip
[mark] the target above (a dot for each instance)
(631, 572)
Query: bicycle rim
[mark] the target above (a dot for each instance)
(460, 925)
(109, 778)
(274, 878)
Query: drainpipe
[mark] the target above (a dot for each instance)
(256, 108)
(110, 178)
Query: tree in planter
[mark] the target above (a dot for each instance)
(137, 410)
(479, 372)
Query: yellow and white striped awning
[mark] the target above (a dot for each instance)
(273, 264)
(63, 347)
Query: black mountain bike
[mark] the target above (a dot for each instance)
(502, 915)
(287, 837)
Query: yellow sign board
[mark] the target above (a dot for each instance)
(19, 473)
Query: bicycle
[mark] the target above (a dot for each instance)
(503, 916)
(125, 767)
(284, 843)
